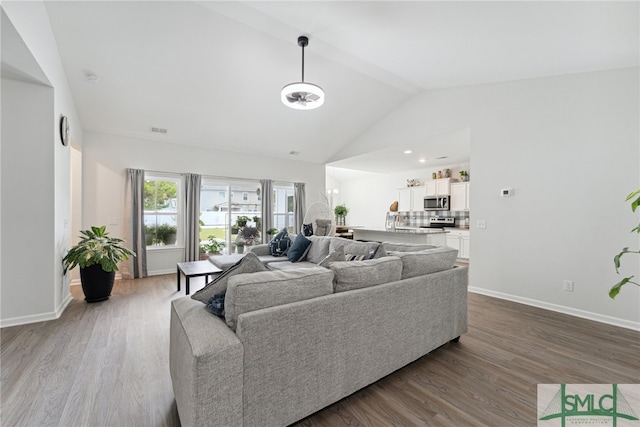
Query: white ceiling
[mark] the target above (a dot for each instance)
(211, 72)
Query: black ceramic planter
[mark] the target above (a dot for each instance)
(96, 283)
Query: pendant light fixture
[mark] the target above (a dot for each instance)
(302, 95)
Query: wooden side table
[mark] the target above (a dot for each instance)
(195, 269)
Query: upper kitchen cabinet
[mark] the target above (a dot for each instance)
(459, 196)
(411, 199)
(438, 187)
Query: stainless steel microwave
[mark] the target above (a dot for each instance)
(436, 203)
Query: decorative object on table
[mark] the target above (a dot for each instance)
(439, 175)
(615, 290)
(302, 95)
(240, 245)
(447, 173)
(464, 176)
(411, 182)
(434, 175)
(98, 256)
(394, 207)
(341, 212)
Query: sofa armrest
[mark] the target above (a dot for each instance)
(261, 250)
(205, 360)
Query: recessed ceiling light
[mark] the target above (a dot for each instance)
(422, 160)
(408, 151)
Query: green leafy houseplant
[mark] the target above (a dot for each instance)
(96, 247)
(98, 256)
(615, 289)
(211, 246)
(340, 210)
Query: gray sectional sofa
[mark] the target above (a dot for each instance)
(296, 340)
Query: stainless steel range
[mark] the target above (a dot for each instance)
(440, 222)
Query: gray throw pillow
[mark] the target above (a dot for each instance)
(319, 248)
(249, 264)
(334, 256)
(323, 226)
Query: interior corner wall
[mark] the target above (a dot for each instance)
(569, 148)
(44, 175)
(105, 158)
(27, 172)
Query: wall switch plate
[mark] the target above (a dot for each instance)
(568, 285)
(481, 223)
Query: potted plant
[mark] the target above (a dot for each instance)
(464, 176)
(166, 234)
(240, 245)
(98, 256)
(272, 232)
(249, 235)
(211, 246)
(341, 212)
(615, 289)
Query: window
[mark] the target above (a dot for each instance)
(283, 207)
(222, 195)
(245, 196)
(161, 211)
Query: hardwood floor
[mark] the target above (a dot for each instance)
(106, 364)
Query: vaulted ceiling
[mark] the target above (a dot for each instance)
(210, 73)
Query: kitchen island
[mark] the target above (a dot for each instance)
(431, 236)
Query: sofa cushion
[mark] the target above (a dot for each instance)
(323, 227)
(280, 244)
(361, 274)
(319, 248)
(406, 247)
(289, 265)
(250, 292)
(334, 256)
(299, 248)
(248, 264)
(427, 261)
(353, 247)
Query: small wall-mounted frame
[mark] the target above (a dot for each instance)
(64, 130)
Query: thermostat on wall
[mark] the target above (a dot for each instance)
(506, 192)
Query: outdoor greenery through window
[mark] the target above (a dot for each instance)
(161, 211)
(230, 216)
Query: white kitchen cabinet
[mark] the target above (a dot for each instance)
(411, 199)
(459, 196)
(459, 239)
(438, 187)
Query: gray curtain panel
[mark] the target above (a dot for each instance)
(192, 216)
(266, 189)
(134, 225)
(299, 206)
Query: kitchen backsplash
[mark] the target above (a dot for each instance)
(416, 219)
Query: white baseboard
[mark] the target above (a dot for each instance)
(40, 317)
(628, 324)
(161, 272)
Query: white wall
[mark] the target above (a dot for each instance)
(105, 158)
(569, 148)
(49, 181)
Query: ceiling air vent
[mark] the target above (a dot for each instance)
(158, 130)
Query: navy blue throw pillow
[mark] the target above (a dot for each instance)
(216, 304)
(279, 245)
(299, 248)
(307, 229)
